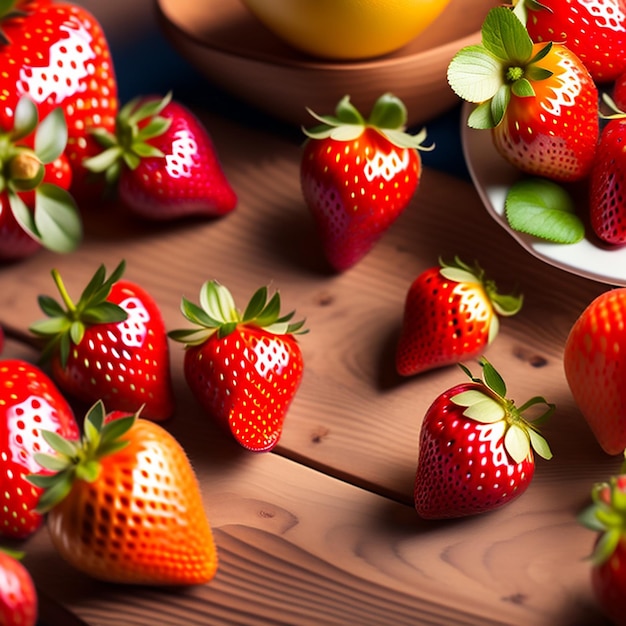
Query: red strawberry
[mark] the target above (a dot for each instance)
(607, 203)
(244, 369)
(163, 162)
(606, 515)
(594, 30)
(476, 449)
(451, 314)
(538, 100)
(18, 596)
(35, 208)
(124, 504)
(68, 66)
(358, 176)
(29, 402)
(110, 345)
(595, 370)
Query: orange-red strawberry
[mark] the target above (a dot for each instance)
(538, 100)
(125, 505)
(110, 345)
(596, 370)
(18, 596)
(58, 55)
(594, 30)
(606, 515)
(29, 403)
(476, 449)
(244, 369)
(358, 176)
(450, 314)
(35, 207)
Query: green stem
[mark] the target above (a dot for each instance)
(63, 291)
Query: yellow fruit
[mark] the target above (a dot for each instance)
(346, 29)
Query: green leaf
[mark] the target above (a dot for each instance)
(517, 443)
(487, 411)
(492, 378)
(474, 74)
(504, 36)
(388, 112)
(23, 215)
(51, 136)
(539, 444)
(58, 443)
(57, 219)
(49, 306)
(499, 103)
(155, 127)
(218, 302)
(25, 118)
(347, 113)
(256, 304)
(543, 209)
(55, 493)
(481, 118)
(522, 88)
(52, 326)
(104, 313)
(469, 397)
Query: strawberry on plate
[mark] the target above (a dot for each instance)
(358, 176)
(595, 369)
(124, 504)
(476, 448)
(18, 596)
(606, 515)
(163, 162)
(243, 368)
(35, 207)
(29, 402)
(538, 100)
(451, 313)
(595, 31)
(58, 55)
(110, 345)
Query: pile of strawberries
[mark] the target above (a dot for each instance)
(67, 144)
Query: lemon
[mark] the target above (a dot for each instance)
(346, 29)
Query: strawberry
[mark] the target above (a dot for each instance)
(124, 504)
(606, 515)
(29, 402)
(450, 314)
(594, 30)
(18, 596)
(476, 449)
(110, 345)
(35, 207)
(538, 100)
(163, 162)
(607, 204)
(595, 370)
(57, 54)
(244, 369)
(358, 176)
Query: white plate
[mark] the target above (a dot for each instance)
(493, 176)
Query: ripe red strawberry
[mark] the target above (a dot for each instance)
(29, 403)
(476, 449)
(244, 369)
(606, 515)
(35, 208)
(163, 162)
(125, 505)
(450, 314)
(358, 176)
(607, 204)
(538, 100)
(110, 345)
(68, 65)
(18, 596)
(594, 30)
(595, 370)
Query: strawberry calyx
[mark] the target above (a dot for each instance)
(488, 404)
(55, 222)
(502, 65)
(388, 117)
(217, 313)
(607, 515)
(136, 123)
(505, 305)
(64, 327)
(78, 460)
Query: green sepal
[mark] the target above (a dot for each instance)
(65, 323)
(51, 136)
(217, 314)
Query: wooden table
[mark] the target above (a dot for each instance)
(322, 530)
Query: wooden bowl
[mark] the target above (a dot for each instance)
(226, 43)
